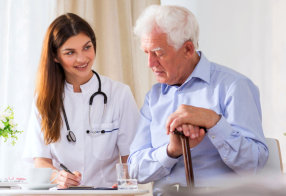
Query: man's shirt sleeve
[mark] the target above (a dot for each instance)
(148, 163)
(238, 136)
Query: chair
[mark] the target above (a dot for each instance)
(274, 162)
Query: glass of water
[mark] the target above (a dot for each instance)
(123, 179)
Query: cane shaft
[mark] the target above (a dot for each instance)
(187, 161)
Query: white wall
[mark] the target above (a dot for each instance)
(250, 37)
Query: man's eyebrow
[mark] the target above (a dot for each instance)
(156, 49)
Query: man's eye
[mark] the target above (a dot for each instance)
(159, 54)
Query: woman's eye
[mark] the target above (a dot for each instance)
(69, 53)
(87, 47)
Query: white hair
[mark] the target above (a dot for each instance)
(177, 22)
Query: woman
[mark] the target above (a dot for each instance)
(80, 119)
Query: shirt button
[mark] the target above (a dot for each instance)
(213, 136)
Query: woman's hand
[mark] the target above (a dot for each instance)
(65, 179)
(115, 186)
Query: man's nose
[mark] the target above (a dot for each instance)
(152, 60)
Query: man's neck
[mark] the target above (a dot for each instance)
(194, 61)
(190, 68)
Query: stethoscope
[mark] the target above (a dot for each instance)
(71, 136)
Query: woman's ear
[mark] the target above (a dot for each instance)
(56, 60)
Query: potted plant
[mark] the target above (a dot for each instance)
(7, 126)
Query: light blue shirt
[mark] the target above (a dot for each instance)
(236, 144)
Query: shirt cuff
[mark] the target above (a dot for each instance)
(163, 158)
(218, 133)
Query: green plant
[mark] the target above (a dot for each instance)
(7, 126)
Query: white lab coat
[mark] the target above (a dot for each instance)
(94, 155)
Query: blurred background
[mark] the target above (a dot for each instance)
(246, 35)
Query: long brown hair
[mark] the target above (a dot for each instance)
(51, 77)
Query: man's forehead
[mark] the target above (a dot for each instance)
(154, 42)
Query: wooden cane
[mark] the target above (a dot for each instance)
(187, 160)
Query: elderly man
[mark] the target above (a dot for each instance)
(192, 92)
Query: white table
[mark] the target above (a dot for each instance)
(22, 192)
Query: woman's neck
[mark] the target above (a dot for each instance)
(76, 88)
(77, 82)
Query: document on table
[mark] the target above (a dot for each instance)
(88, 188)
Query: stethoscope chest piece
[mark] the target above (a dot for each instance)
(71, 137)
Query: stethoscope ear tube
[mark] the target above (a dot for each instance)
(99, 92)
(70, 136)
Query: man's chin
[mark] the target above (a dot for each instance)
(161, 80)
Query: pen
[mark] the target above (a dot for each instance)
(65, 168)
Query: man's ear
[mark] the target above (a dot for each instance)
(189, 48)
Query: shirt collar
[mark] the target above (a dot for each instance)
(201, 71)
(89, 85)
